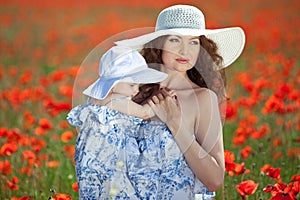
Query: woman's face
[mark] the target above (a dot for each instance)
(180, 52)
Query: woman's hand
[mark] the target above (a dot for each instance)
(166, 106)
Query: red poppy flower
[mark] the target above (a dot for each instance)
(294, 151)
(29, 119)
(296, 177)
(37, 144)
(62, 106)
(74, 70)
(5, 167)
(58, 75)
(277, 155)
(239, 139)
(282, 196)
(277, 142)
(230, 111)
(55, 107)
(283, 90)
(229, 156)
(231, 167)
(235, 169)
(69, 150)
(274, 173)
(293, 188)
(282, 191)
(25, 78)
(245, 152)
(265, 168)
(59, 196)
(246, 188)
(53, 164)
(64, 124)
(66, 90)
(75, 186)
(8, 148)
(3, 131)
(30, 156)
(45, 123)
(40, 131)
(67, 136)
(26, 170)
(13, 184)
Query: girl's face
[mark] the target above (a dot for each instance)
(126, 89)
(180, 52)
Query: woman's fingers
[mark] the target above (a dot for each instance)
(169, 94)
(160, 96)
(166, 106)
(155, 99)
(151, 103)
(172, 93)
(164, 95)
(158, 110)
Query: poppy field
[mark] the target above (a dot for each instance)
(44, 43)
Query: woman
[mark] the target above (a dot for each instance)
(192, 159)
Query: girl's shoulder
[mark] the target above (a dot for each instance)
(78, 115)
(94, 108)
(102, 114)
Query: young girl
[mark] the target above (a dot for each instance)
(108, 140)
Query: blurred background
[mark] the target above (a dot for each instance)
(44, 45)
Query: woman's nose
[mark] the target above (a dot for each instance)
(183, 49)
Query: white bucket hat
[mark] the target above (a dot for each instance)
(189, 20)
(122, 64)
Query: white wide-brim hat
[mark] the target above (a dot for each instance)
(122, 64)
(189, 20)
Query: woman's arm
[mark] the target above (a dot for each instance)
(203, 149)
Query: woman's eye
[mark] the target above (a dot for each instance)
(194, 42)
(174, 40)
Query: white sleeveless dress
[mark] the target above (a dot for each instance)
(123, 157)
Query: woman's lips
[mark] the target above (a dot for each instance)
(182, 60)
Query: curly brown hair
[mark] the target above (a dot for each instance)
(205, 73)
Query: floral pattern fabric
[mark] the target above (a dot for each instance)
(123, 157)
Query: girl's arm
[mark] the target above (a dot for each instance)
(203, 149)
(131, 108)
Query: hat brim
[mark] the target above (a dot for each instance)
(102, 86)
(230, 41)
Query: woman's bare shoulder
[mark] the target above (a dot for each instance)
(206, 97)
(205, 93)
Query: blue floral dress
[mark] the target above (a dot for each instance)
(118, 156)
